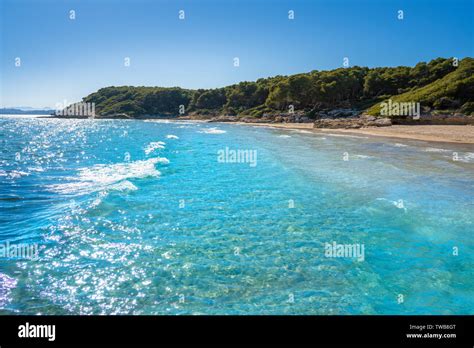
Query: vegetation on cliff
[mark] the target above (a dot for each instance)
(438, 85)
(452, 92)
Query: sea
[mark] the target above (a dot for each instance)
(168, 217)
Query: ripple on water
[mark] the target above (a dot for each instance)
(202, 237)
(7, 284)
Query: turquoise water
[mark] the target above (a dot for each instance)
(135, 217)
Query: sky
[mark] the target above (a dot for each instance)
(64, 59)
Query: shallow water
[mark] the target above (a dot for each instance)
(136, 217)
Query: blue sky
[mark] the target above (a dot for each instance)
(64, 59)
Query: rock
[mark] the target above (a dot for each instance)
(347, 123)
(369, 118)
(223, 119)
(352, 122)
(383, 122)
(340, 113)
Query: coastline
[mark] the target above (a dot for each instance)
(456, 134)
(432, 133)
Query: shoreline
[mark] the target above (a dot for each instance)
(455, 134)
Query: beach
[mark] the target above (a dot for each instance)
(434, 133)
(456, 134)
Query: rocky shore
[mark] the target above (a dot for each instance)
(353, 122)
(324, 119)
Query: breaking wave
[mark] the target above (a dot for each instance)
(467, 157)
(154, 146)
(110, 176)
(213, 130)
(434, 149)
(13, 174)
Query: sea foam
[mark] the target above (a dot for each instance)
(467, 157)
(213, 130)
(13, 174)
(154, 146)
(434, 149)
(110, 176)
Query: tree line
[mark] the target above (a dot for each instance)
(361, 88)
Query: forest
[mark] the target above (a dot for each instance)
(443, 84)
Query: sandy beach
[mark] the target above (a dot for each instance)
(446, 134)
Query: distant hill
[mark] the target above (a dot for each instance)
(439, 86)
(26, 111)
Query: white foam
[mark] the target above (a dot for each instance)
(159, 121)
(35, 169)
(346, 136)
(124, 186)
(399, 145)
(172, 136)
(213, 130)
(467, 157)
(285, 136)
(434, 149)
(154, 146)
(99, 199)
(13, 174)
(174, 122)
(302, 131)
(162, 160)
(398, 204)
(110, 176)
